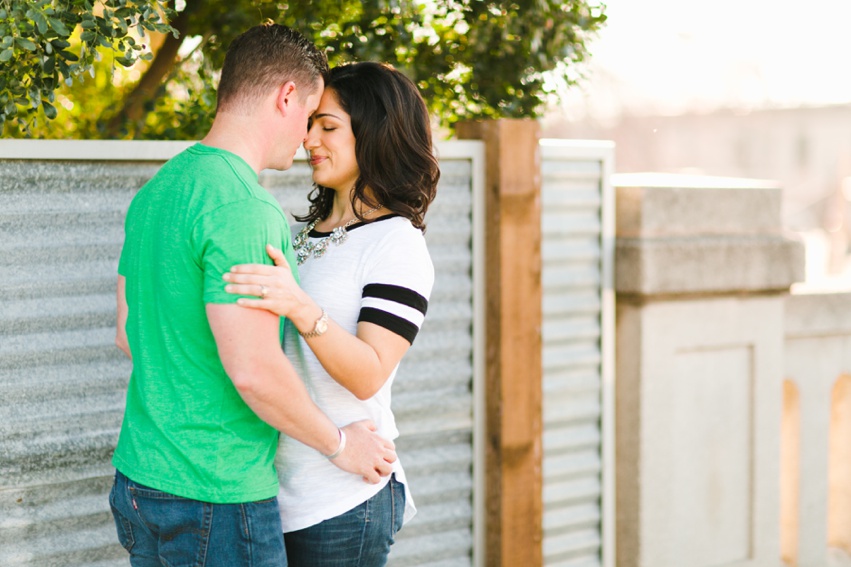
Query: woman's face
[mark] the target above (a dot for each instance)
(331, 145)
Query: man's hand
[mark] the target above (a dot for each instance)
(366, 453)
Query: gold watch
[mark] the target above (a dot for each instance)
(319, 327)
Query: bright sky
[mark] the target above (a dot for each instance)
(676, 55)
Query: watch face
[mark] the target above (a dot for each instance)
(321, 325)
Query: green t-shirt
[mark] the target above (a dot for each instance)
(186, 430)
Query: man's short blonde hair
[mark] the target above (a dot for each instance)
(264, 58)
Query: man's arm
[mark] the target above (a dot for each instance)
(247, 341)
(121, 319)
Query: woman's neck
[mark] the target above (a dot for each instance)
(341, 212)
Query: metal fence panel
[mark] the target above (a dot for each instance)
(575, 203)
(62, 381)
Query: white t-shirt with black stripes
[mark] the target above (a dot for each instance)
(382, 273)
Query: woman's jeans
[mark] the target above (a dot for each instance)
(158, 528)
(360, 537)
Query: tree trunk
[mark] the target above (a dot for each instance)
(145, 90)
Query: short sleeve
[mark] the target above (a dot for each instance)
(123, 261)
(398, 283)
(237, 233)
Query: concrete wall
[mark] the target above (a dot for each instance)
(702, 273)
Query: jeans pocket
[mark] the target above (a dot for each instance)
(123, 527)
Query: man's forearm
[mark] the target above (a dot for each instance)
(248, 346)
(276, 394)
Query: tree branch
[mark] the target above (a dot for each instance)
(133, 109)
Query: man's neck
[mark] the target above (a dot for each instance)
(238, 135)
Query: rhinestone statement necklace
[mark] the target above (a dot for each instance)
(304, 248)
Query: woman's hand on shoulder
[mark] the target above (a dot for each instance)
(274, 286)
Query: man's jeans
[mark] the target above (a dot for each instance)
(360, 537)
(158, 528)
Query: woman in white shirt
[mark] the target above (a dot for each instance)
(366, 276)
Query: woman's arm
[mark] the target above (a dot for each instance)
(361, 363)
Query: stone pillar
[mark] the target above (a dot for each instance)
(818, 370)
(702, 270)
(513, 374)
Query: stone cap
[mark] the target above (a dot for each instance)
(707, 264)
(657, 204)
(695, 235)
(817, 313)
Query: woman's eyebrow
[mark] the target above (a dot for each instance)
(323, 115)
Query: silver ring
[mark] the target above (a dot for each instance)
(263, 291)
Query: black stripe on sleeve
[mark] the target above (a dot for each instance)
(398, 294)
(394, 323)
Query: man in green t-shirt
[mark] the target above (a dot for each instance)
(211, 388)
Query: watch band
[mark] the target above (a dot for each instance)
(319, 327)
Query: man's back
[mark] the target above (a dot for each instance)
(186, 429)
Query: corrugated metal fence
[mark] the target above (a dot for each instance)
(576, 252)
(62, 381)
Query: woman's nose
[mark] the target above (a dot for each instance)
(309, 141)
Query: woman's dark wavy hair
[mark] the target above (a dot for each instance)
(393, 144)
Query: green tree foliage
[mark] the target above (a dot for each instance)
(36, 54)
(471, 58)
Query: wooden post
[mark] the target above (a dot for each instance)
(513, 353)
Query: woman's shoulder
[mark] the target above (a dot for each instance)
(400, 243)
(398, 232)
(398, 226)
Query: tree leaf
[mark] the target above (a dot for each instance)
(35, 97)
(59, 27)
(39, 19)
(6, 55)
(49, 110)
(25, 43)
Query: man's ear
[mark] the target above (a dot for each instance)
(287, 94)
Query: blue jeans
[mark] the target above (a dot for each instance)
(159, 528)
(360, 537)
